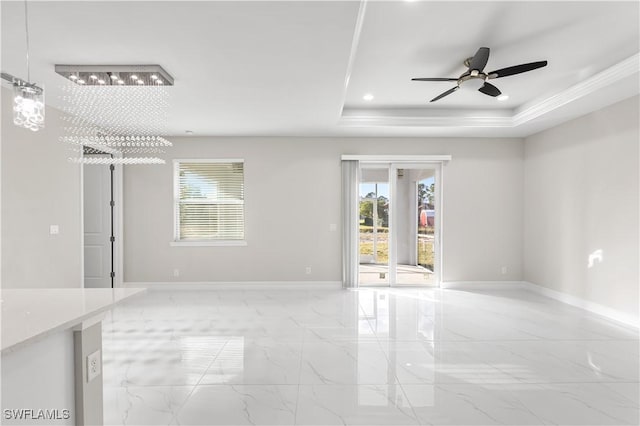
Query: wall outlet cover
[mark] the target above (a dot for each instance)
(54, 229)
(94, 365)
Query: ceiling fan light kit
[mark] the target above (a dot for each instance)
(475, 74)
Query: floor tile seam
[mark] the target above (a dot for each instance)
(413, 409)
(302, 346)
(503, 383)
(177, 412)
(507, 340)
(400, 382)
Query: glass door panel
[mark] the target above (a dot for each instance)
(426, 226)
(374, 227)
(415, 207)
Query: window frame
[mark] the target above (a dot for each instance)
(176, 201)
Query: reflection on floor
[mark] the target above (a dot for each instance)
(369, 356)
(374, 274)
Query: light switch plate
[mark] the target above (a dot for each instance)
(94, 365)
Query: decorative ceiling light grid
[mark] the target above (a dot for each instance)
(116, 75)
(124, 120)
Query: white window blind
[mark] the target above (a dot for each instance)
(209, 200)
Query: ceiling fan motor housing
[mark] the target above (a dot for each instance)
(472, 81)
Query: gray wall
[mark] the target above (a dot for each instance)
(293, 195)
(39, 188)
(581, 186)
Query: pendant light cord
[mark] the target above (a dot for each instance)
(26, 28)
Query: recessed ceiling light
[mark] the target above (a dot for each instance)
(368, 97)
(503, 97)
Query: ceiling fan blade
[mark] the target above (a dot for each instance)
(490, 89)
(434, 79)
(447, 93)
(517, 69)
(479, 60)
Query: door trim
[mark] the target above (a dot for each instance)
(398, 158)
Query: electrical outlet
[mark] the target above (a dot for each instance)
(54, 229)
(94, 365)
(308, 270)
(504, 270)
(176, 272)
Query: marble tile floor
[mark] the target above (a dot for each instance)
(365, 357)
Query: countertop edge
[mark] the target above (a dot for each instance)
(67, 325)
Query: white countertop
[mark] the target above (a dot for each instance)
(31, 314)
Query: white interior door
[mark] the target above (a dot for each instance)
(97, 226)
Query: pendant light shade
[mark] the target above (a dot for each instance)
(28, 105)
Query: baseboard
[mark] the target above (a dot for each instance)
(596, 308)
(481, 285)
(237, 285)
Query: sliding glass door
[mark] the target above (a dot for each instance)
(399, 224)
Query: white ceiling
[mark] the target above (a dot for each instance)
(281, 68)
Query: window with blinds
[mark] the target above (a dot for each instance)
(209, 200)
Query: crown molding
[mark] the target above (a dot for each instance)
(407, 121)
(592, 84)
(495, 118)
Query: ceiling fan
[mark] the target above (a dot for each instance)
(477, 77)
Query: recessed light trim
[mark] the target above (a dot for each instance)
(368, 97)
(503, 97)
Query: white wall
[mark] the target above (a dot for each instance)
(292, 195)
(581, 186)
(39, 188)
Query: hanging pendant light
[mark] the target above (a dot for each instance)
(28, 98)
(28, 106)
